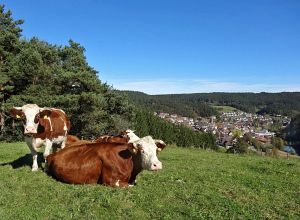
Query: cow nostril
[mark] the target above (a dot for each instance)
(154, 165)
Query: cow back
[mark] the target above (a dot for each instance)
(53, 126)
(112, 139)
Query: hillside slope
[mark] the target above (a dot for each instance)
(285, 103)
(194, 184)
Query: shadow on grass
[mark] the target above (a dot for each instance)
(25, 160)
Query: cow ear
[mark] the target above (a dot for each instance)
(123, 134)
(132, 147)
(16, 112)
(160, 144)
(45, 113)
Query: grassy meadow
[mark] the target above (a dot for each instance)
(194, 184)
(224, 108)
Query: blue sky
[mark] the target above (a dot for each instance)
(177, 46)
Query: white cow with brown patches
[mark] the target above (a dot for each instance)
(42, 126)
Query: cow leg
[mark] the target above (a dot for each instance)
(35, 166)
(34, 155)
(63, 144)
(48, 147)
(31, 144)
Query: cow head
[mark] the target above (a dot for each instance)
(30, 115)
(148, 147)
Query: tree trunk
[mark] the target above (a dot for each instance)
(2, 119)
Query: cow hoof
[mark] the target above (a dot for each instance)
(34, 169)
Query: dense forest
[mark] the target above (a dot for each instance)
(200, 104)
(35, 71)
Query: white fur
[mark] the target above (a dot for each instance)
(148, 150)
(51, 129)
(65, 127)
(59, 139)
(30, 111)
(132, 136)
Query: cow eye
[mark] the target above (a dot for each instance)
(36, 119)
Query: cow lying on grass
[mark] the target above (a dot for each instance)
(42, 126)
(111, 164)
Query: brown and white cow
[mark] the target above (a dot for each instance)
(111, 164)
(42, 126)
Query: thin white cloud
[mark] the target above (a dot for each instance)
(200, 86)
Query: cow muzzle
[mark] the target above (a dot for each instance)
(157, 165)
(30, 130)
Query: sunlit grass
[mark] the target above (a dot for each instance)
(194, 184)
(224, 108)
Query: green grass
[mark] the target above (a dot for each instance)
(194, 184)
(224, 108)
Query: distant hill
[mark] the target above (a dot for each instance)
(204, 104)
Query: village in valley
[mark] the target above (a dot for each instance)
(229, 126)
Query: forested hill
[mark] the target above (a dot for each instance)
(285, 103)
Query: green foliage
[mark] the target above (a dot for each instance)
(277, 142)
(193, 184)
(147, 123)
(248, 138)
(240, 147)
(276, 126)
(257, 144)
(236, 133)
